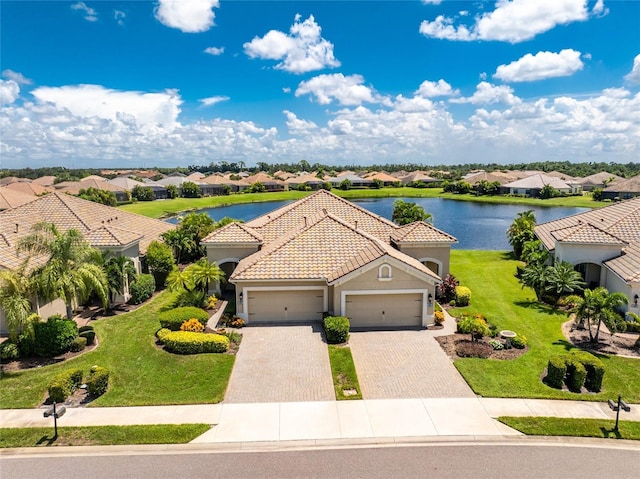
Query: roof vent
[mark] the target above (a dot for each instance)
(305, 220)
(356, 224)
(17, 228)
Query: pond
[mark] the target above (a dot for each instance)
(476, 225)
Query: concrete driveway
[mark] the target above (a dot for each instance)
(281, 364)
(405, 364)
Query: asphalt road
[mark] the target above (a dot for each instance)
(450, 460)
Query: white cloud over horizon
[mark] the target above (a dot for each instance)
(17, 77)
(487, 93)
(346, 90)
(634, 75)
(302, 50)
(512, 21)
(9, 91)
(540, 66)
(89, 13)
(189, 16)
(212, 100)
(430, 89)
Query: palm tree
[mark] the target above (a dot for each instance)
(71, 271)
(521, 231)
(535, 275)
(204, 273)
(596, 306)
(15, 298)
(120, 272)
(179, 280)
(562, 279)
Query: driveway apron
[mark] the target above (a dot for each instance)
(281, 363)
(405, 364)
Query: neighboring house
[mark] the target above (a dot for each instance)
(308, 179)
(269, 183)
(417, 176)
(29, 188)
(602, 244)
(622, 189)
(387, 179)
(10, 198)
(598, 180)
(45, 180)
(532, 185)
(356, 181)
(74, 187)
(323, 254)
(106, 228)
(159, 191)
(495, 176)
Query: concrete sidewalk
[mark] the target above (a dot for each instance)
(361, 419)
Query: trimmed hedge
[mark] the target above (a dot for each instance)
(187, 342)
(463, 296)
(595, 370)
(162, 333)
(82, 329)
(556, 371)
(142, 288)
(98, 381)
(89, 335)
(336, 329)
(173, 318)
(54, 336)
(78, 344)
(576, 374)
(474, 325)
(62, 385)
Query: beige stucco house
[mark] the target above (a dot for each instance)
(323, 254)
(603, 244)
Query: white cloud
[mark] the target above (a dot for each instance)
(599, 9)
(432, 2)
(512, 21)
(189, 16)
(87, 101)
(486, 93)
(634, 75)
(9, 91)
(297, 126)
(212, 100)
(347, 90)
(119, 16)
(302, 50)
(215, 51)
(430, 89)
(90, 14)
(541, 66)
(286, 89)
(19, 78)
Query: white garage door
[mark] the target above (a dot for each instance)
(285, 306)
(384, 310)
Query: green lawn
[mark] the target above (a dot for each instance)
(101, 435)
(141, 374)
(497, 294)
(158, 209)
(344, 372)
(556, 426)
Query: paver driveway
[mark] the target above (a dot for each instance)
(281, 364)
(404, 364)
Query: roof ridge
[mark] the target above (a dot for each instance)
(59, 194)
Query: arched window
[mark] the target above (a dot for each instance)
(385, 273)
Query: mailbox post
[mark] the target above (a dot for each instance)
(616, 407)
(56, 413)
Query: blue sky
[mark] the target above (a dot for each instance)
(176, 83)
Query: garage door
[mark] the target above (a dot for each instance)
(384, 310)
(285, 306)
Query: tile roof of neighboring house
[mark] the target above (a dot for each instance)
(620, 220)
(308, 178)
(417, 176)
(598, 178)
(585, 233)
(67, 212)
(196, 176)
(562, 176)
(627, 265)
(93, 177)
(111, 236)
(10, 198)
(7, 180)
(630, 185)
(538, 181)
(45, 180)
(126, 182)
(326, 248)
(382, 176)
(263, 178)
(29, 188)
(292, 216)
(74, 187)
(422, 232)
(490, 177)
(233, 233)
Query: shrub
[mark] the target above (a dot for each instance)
(473, 325)
(9, 351)
(195, 298)
(519, 342)
(556, 370)
(98, 381)
(576, 375)
(595, 370)
(473, 350)
(162, 333)
(62, 385)
(336, 329)
(438, 317)
(85, 328)
(78, 344)
(142, 288)
(234, 336)
(173, 318)
(493, 330)
(237, 323)
(633, 327)
(192, 325)
(463, 296)
(27, 337)
(160, 261)
(186, 342)
(211, 302)
(89, 335)
(496, 345)
(447, 289)
(54, 336)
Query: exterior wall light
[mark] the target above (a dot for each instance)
(635, 300)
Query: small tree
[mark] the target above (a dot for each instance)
(345, 184)
(190, 190)
(142, 193)
(405, 212)
(160, 261)
(595, 307)
(548, 191)
(99, 196)
(521, 231)
(257, 187)
(172, 191)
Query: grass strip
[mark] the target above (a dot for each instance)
(556, 426)
(101, 435)
(344, 373)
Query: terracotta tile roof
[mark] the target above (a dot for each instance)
(630, 185)
(10, 198)
(111, 236)
(620, 220)
(421, 232)
(598, 178)
(538, 181)
(327, 248)
(585, 233)
(232, 233)
(67, 212)
(382, 176)
(492, 177)
(627, 265)
(45, 180)
(29, 188)
(74, 187)
(292, 216)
